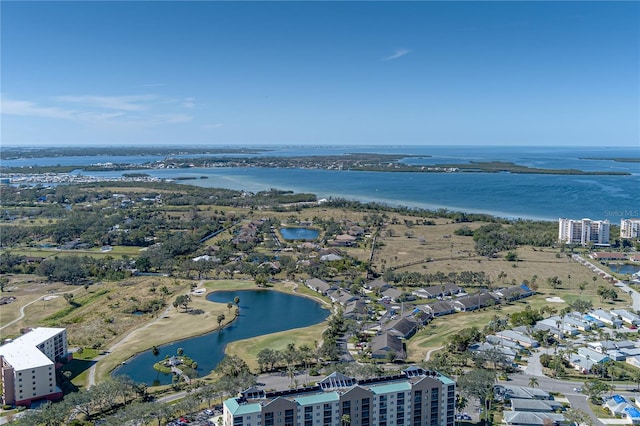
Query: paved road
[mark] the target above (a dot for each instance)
(577, 400)
(428, 356)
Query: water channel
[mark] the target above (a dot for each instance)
(261, 312)
(624, 268)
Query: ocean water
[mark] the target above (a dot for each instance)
(527, 196)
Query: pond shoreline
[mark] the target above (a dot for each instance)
(285, 288)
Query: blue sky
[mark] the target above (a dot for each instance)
(375, 73)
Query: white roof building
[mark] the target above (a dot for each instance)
(28, 366)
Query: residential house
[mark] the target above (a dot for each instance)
(606, 317)
(473, 301)
(508, 354)
(319, 285)
(518, 337)
(439, 308)
(344, 240)
(608, 256)
(392, 294)
(356, 231)
(527, 418)
(564, 327)
(509, 392)
(331, 257)
(510, 294)
(438, 291)
(626, 316)
(575, 320)
(422, 314)
(499, 341)
(616, 405)
(377, 284)
(585, 359)
(403, 327)
(552, 330)
(594, 322)
(535, 405)
(386, 342)
(356, 309)
(603, 346)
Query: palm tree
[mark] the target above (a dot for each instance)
(533, 382)
(236, 300)
(220, 318)
(229, 306)
(346, 420)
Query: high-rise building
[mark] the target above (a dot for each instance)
(416, 397)
(28, 364)
(584, 231)
(629, 228)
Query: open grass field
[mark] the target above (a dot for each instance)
(99, 314)
(403, 244)
(116, 252)
(40, 298)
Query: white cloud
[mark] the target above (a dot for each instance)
(174, 118)
(130, 111)
(397, 54)
(30, 109)
(189, 103)
(120, 103)
(152, 85)
(211, 126)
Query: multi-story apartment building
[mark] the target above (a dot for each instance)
(629, 228)
(584, 231)
(416, 397)
(28, 364)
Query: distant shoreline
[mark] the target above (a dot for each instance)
(352, 162)
(616, 159)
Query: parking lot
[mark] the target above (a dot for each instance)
(206, 417)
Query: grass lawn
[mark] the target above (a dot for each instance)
(248, 349)
(87, 354)
(116, 252)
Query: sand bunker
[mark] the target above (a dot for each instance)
(555, 300)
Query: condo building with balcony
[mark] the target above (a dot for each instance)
(415, 397)
(584, 231)
(629, 228)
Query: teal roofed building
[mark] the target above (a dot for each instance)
(413, 397)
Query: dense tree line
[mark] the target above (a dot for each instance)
(494, 237)
(77, 269)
